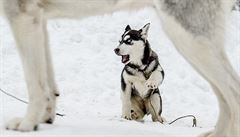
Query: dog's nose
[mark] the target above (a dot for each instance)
(117, 50)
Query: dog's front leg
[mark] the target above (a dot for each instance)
(27, 24)
(155, 78)
(126, 102)
(49, 114)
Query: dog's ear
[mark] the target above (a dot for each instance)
(128, 28)
(144, 31)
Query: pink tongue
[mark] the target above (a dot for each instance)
(124, 59)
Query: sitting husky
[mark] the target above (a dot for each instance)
(140, 77)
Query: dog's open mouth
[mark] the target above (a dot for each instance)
(125, 58)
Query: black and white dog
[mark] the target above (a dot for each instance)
(140, 77)
(196, 28)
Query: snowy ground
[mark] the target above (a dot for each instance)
(88, 76)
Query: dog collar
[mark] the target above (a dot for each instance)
(142, 68)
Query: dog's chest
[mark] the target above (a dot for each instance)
(138, 83)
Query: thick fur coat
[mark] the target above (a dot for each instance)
(196, 27)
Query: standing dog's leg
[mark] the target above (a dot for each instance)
(228, 121)
(224, 115)
(28, 25)
(206, 54)
(233, 84)
(207, 60)
(50, 114)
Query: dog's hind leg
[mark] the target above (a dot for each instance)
(227, 89)
(138, 109)
(206, 54)
(233, 83)
(228, 121)
(27, 23)
(206, 59)
(154, 106)
(224, 115)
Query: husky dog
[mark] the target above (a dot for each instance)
(196, 27)
(140, 77)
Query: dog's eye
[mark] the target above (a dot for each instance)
(129, 42)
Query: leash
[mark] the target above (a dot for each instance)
(62, 115)
(182, 117)
(194, 120)
(23, 101)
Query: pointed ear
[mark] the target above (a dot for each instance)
(144, 31)
(128, 28)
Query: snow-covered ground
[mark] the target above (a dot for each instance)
(88, 76)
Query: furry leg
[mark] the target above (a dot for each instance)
(155, 79)
(224, 117)
(28, 30)
(206, 61)
(50, 111)
(138, 107)
(233, 83)
(206, 54)
(126, 103)
(154, 106)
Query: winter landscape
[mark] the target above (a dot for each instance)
(88, 76)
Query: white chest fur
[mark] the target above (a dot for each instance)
(138, 82)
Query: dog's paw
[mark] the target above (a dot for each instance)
(49, 116)
(152, 84)
(158, 119)
(127, 116)
(134, 115)
(19, 124)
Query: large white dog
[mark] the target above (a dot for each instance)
(196, 27)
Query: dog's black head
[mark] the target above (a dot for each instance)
(133, 44)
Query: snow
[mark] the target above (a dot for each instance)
(88, 76)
